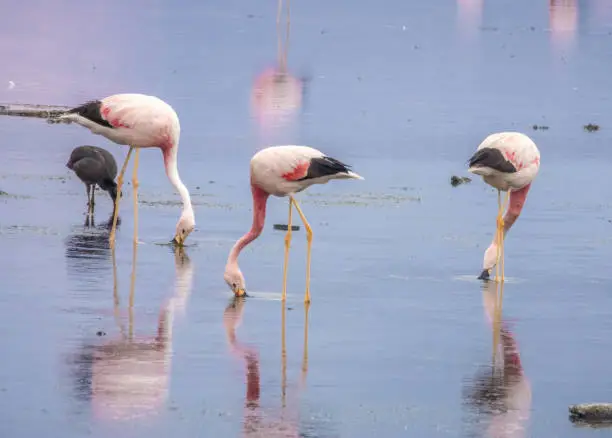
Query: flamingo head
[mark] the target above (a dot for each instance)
(184, 227)
(235, 280)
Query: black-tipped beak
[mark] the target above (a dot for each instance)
(484, 275)
(176, 242)
(239, 293)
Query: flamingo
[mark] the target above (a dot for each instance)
(283, 171)
(508, 161)
(139, 121)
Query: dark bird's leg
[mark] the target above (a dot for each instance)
(88, 191)
(308, 246)
(116, 209)
(93, 202)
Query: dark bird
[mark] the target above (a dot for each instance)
(94, 165)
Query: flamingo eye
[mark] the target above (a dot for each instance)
(233, 285)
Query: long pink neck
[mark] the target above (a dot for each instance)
(260, 199)
(516, 203)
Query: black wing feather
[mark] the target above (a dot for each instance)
(493, 158)
(91, 111)
(324, 166)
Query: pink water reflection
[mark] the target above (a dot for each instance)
(563, 18)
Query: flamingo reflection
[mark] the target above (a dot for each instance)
(128, 377)
(277, 95)
(254, 423)
(500, 393)
(563, 17)
(469, 14)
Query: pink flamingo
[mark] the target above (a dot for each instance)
(283, 171)
(508, 161)
(139, 121)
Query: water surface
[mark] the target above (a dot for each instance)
(400, 333)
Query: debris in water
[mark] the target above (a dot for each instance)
(101, 333)
(3, 193)
(49, 112)
(458, 180)
(591, 127)
(285, 227)
(596, 412)
(540, 127)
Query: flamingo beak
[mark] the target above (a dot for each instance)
(484, 275)
(177, 240)
(239, 292)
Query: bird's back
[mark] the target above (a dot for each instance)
(516, 142)
(93, 164)
(142, 111)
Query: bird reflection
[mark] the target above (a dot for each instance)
(87, 249)
(277, 95)
(500, 394)
(469, 14)
(128, 377)
(563, 17)
(254, 423)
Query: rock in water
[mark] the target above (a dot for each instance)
(285, 227)
(598, 412)
(458, 180)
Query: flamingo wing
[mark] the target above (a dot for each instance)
(139, 112)
(91, 111)
(301, 163)
(492, 158)
(324, 166)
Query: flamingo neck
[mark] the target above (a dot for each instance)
(515, 206)
(171, 164)
(260, 199)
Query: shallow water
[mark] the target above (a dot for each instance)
(399, 339)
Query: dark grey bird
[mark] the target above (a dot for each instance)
(94, 166)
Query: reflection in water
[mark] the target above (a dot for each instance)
(87, 249)
(128, 377)
(277, 95)
(563, 16)
(254, 425)
(500, 394)
(469, 15)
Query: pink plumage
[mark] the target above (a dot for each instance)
(508, 161)
(282, 171)
(140, 121)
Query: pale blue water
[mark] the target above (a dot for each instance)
(397, 329)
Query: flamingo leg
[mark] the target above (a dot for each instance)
(499, 236)
(116, 209)
(287, 245)
(135, 185)
(308, 246)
